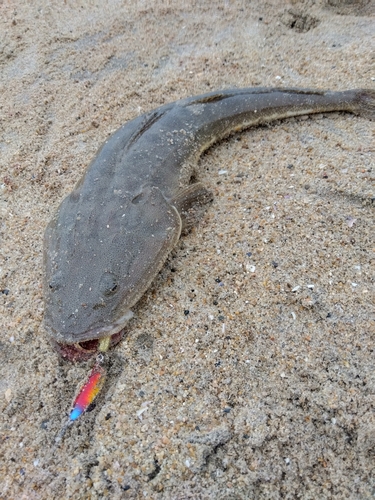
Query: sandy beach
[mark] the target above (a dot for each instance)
(248, 368)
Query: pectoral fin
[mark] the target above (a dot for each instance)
(191, 203)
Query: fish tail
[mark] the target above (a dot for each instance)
(363, 102)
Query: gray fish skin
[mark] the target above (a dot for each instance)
(111, 235)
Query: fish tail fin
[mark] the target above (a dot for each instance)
(364, 103)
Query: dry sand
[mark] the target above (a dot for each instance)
(252, 354)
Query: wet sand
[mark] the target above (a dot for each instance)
(247, 371)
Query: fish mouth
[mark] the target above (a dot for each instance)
(84, 346)
(83, 351)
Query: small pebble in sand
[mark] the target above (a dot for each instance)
(8, 395)
(350, 221)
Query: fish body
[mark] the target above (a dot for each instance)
(111, 235)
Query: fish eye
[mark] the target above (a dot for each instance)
(139, 198)
(108, 284)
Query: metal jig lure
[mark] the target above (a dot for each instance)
(90, 388)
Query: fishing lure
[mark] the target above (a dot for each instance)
(90, 388)
(88, 392)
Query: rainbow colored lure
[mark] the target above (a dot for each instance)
(88, 392)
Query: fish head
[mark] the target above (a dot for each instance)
(100, 258)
